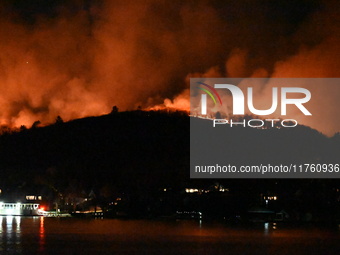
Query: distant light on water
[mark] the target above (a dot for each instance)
(266, 228)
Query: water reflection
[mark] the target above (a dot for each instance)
(18, 220)
(10, 234)
(41, 235)
(268, 227)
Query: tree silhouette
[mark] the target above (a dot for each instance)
(59, 120)
(36, 124)
(218, 115)
(114, 109)
(23, 128)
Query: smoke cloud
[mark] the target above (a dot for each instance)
(76, 59)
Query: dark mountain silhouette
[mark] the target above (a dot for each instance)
(247, 145)
(139, 153)
(123, 149)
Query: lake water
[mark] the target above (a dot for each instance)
(39, 235)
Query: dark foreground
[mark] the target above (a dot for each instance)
(38, 235)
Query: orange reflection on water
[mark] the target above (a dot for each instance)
(41, 235)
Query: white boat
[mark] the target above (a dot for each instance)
(25, 209)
